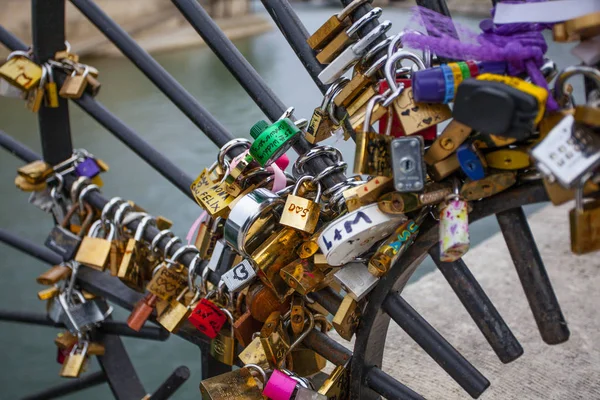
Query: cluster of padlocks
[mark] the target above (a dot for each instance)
(22, 78)
(276, 237)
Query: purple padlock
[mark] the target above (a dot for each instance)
(279, 386)
(88, 168)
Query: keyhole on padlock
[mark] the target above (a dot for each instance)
(447, 144)
(507, 160)
(396, 204)
(471, 166)
(407, 165)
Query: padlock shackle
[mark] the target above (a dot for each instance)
(227, 147)
(349, 9)
(369, 111)
(365, 19)
(559, 87)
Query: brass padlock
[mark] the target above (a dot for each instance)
(223, 346)
(35, 97)
(238, 384)
(447, 142)
(94, 250)
(302, 276)
(274, 340)
(372, 156)
(299, 212)
(74, 85)
(585, 224)
(54, 274)
(130, 266)
(346, 318)
(254, 353)
(305, 361)
(48, 293)
(21, 72)
(36, 171)
(75, 362)
(177, 313)
(337, 385)
(65, 340)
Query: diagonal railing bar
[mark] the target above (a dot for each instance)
(533, 276)
(17, 148)
(114, 125)
(375, 378)
(73, 386)
(230, 56)
(480, 307)
(296, 34)
(171, 384)
(108, 327)
(48, 23)
(155, 72)
(434, 344)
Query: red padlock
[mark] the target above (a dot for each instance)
(397, 130)
(141, 312)
(208, 318)
(61, 354)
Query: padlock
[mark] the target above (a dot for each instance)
(302, 276)
(208, 318)
(94, 250)
(74, 85)
(357, 107)
(142, 311)
(87, 167)
(168, 281)
(334, 25)
(368, 192)
(337, 385)
(280, 386)
(401, 203)
(48, 293)
(176, 313)
(453, 135)
(372, 155)
(584, 222)
(237, 384)
(272, 255)
(471, 161)
(272, 141)
(51, 89)
(254, 353)
(346, 37)
(239, 277)
(65, 340)
(130, 268)
(250, 220)
(210, 195)
(262, 301)
(407, 163)
(74, 364)
(21, 72)
(245, 326)
(297, 315)
(62, 241)
(303, 393)
(321, 126)
(488, 186)
(508, 159)
(81, 316)
(35, 97)
(454, 228)
(392, 248)
(299, 212)
(54, 275)
(345, 321)
(274, 340)
(358, 84)
(36, 171)
(352, 234)
(581, 28)
(305, 361)
(356, 280)
(222, 347)
(352, 54)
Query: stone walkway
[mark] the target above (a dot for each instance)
(569, 371)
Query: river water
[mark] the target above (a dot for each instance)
(29, 352)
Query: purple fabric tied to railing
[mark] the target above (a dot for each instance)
(521, 45)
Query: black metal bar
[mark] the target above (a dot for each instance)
(434, 344)
(296, 34)
(120, 373)
(376, 379)
(533, 275)
(230, 56)
(108, 327)
(48, 22)
(136, 143)
(210, 366)
(480, 307)
(173, 382)
(155, 72)
(17, 148)
(389, 387)
(328, 298)
(26, 246)
(72, 386)
(11, 41)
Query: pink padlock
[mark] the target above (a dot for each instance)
(279, 386)
(283, 162)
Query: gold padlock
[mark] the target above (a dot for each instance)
(177, 313)
(48, 293)
(94, 251)
(302, 276)
(299, 212)
(223, 346)
(36, 171)
(21, 72)
(346, 318)
(54, 274)
(74, 85)
(337, 385)
(74, 363)
(449, 140)
(238, 384)
(254, 353)
(585, 224)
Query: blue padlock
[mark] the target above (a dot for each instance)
(470, 162)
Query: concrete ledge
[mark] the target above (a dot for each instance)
(568, 371)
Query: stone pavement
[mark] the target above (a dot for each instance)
(568, 371)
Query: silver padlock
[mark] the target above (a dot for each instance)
(559, 155)
(354, 233)
(239, 277)
(8, 90)
(82, 316)
(352, 54)
(356, 279)
(249, 218)
(42, 200)
(303, 393)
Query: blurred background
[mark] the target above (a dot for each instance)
(29, 351)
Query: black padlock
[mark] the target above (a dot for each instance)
(495, 108)
(64, 242)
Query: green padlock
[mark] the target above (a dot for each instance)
(272, 141)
